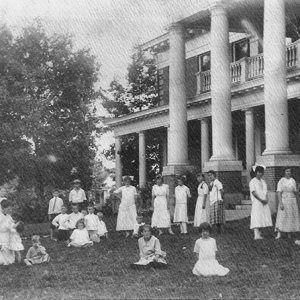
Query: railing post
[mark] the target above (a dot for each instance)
(297, 54)
(198, 79)
(244, 70)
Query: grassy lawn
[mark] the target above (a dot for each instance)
(267, 269)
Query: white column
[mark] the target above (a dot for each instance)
(177, 138)
(257, 136)
(142, 159)
(204, 142)
(275, 89)
(220, 85)
(250, 144)
(118, 143)
(165, 148)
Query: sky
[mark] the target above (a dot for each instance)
(110, 28)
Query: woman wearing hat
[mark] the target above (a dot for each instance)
(260, 211)
(77, 195)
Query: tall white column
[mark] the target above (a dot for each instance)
(165, 148)
(142, 159)
(220, 85)
(118, 143)
(275, 90)
(250, 139)
(204, 141)
(177, 150)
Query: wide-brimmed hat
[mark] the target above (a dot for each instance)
(76, 181)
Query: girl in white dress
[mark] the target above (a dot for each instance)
(160, 201)
(260, 211)
(182, 194)
(80, 236)
(206, 248)
(288, 215)
(201, 211)
(16, 244)
(151, 254)
(7, 256)
(127, 209)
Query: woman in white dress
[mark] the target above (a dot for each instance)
(260, 211)
(201, 211)
(206, 249)
(127, 209)
(7, 256)
(182, 195)
(288, 215)
(160, 201)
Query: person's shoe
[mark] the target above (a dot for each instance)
(258, 238)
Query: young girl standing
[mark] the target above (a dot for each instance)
(160, 206)
(201, 211)
(206, 248)
(260, 211)
(16, 244)
(151, 254)
(182, 194)
(127, 208)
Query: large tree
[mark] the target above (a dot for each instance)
(139, 94)
(47, 93)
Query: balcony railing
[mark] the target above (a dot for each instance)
(249, 68)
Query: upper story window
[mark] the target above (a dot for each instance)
(204, 62)
(240, 49)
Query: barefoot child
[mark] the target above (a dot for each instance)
(54, 210)
(37, 253)
(80, 236)
(182, 194)
(151, 254)
(102, 230)
(16, 244)
(206, 248)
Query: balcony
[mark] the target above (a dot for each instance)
(249, 68)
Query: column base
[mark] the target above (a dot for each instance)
(275, 165)
(170, 174)
(229, 172)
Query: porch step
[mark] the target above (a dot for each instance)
(237, 214)
(246, 202)
(243, 207)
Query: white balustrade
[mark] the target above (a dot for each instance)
(249, 68)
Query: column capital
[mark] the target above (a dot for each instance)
(217, 7)
(249, 110)
(176, 27)
(141, 132)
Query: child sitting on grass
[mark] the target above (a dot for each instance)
(91, 223)
(137, 225)
(102, 230)
(206, 248)
(37, 253)
(151, 254)
(80, 236)
(16, 244)
(61, 223)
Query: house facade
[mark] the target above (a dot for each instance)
(229, 88)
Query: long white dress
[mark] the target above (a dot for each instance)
(7, 256)
(182, 193)
(127, 209)
(207, 265)
(287, 219)
(201, 215)
(260, 214)
(161, 216)
(80, 237)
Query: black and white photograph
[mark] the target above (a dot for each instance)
(149, 149)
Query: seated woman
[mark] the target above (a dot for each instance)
(151, 254)
(80, 236)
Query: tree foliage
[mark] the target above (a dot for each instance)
(46, 98)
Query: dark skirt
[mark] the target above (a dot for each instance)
(217, 213)
(63, 235)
